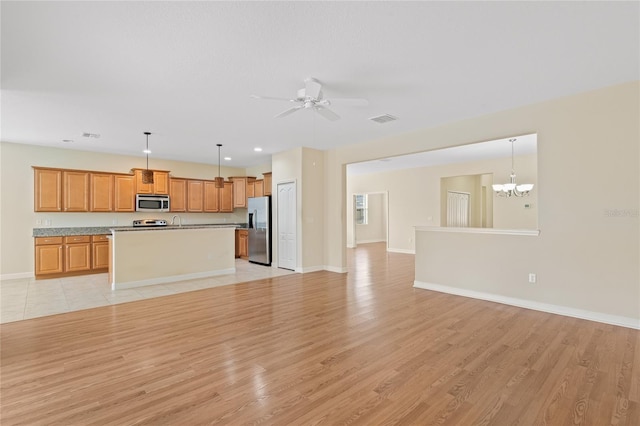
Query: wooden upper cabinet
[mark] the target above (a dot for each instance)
(124, 196)
(211, 197)
(101, 191)
(240, 194)
(75, 191)
(226, 198)
(195, 195)
(251, 189)
(47, 190)
(258, 188)
(218, 200)
(267, 183)
(160, 183)
(178, 194)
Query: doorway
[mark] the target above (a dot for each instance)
(369, 219)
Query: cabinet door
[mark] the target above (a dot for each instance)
(239, 191)
(124, 198)
(251, 189)
(211, 197)
(267, 183)
(47, 190)
(195, 196)
(259, 188)
(77, 257)
(75, 191)
(49, 259)
(243, 242)
(100, 255)
(101, 192)
(161, 182)
(142, 188)
(178, 195)
(226, 198)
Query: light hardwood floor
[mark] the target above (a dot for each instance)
(319, 348)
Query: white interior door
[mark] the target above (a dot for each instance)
(287, 225)
(457, 209)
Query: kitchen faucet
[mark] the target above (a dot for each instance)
(179, 219)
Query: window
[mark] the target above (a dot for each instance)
(362, 216)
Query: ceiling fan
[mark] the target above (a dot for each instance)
(311, 97)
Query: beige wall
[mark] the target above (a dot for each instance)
(376, 228)
(305, 166)
(312, 208)
(17, 218)
(415, 196)
(587, 253)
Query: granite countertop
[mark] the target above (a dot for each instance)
(106, 230)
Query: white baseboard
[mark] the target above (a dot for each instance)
(342, 270)
(397, 250)
(165, 280)
(308, 269)
(536, 306)
(17, 276)
(370, 241)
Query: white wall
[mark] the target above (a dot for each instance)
(587, 253)
(17, 218)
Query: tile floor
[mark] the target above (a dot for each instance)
(27, 298)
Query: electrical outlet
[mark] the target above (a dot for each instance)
(114, 222)
(38, 221)
(532, 278)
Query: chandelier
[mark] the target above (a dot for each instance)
(512, 188)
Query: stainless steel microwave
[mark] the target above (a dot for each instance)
(152, 203)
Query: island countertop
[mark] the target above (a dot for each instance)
(106, 230)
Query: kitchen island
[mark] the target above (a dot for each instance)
(148, 256)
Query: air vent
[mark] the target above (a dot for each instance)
(91, 135)
(384, 118)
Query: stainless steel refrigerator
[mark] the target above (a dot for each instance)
(259, 209)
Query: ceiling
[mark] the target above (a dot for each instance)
(185, 71)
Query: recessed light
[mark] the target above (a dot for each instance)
(146, 151)
(227, 158)
(257, 149)
(67, 140)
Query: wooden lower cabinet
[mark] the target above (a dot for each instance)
(99, 252)
(72, 255)
(49, 255)
(77, 254)
(242, 243)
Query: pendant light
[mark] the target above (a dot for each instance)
(147, 175)
(512, 188)
(219, 180)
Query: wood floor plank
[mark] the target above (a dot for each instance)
(319, 348)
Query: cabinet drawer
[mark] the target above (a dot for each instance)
(97, 238)
(41, 241)
(77, 239)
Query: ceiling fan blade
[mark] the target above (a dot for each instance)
(289, 111)
(326, 113)
(312, 88)
(271, 98)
